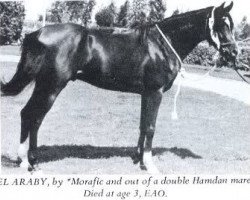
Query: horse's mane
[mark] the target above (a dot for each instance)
(173, 18)
(187, 14)
(172, 22)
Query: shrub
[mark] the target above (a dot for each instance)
(203, 54)
(244, 58)
(106, 16)
(11, 21)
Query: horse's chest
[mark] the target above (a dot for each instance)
(160, 72)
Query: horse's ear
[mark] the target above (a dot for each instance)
(219, 11)
(229, 7)
(221, 6)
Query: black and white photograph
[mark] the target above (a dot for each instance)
(131, 87)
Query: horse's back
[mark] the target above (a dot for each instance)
(55, 34)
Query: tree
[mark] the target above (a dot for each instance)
(11, 24)
(56, 12)
(86, 18)
(40, 18)
(71, 11)
(107, 16)
(138, 12)
(176, 12)
(243, 21)
(245, 29)
(122, 17)
(245, 32)
(157, 10)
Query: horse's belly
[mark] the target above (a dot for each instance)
(124, 84)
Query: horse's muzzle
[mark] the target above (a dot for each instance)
(228, 55)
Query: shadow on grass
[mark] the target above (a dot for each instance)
(8, 162)
(54, 153)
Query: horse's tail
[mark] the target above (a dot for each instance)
(27, 68)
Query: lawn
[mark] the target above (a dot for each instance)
(10, 50)
(95, 131)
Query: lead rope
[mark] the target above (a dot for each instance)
(174, 114)
(182, 73)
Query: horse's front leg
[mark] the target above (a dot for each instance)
(150, 103)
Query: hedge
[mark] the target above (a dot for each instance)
(11, 21)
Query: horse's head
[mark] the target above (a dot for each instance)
(220, 25)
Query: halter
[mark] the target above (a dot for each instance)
(210, 23)
(226, 43)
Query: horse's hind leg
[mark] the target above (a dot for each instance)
(32, 116)
(23, 148)
(149, 110)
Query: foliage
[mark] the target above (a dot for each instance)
(71, 11)
(176, 12)
(11, 24)
(242, 31)
(107, 16)
(157, 10)
(203, 54)
(86, 17)
(245, 33)
(138, 12)
(244, 58)
(122, 17)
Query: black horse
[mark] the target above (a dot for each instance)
(134, 60)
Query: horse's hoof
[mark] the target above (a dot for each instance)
(151, 170)
(143, 167)
(32, 157)
(33, 168)
(36, 170)
(135, 158)
(18, 160)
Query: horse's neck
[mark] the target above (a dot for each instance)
(185, 32)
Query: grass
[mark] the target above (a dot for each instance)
(95, 131)
(10, 50)
(223, 72)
